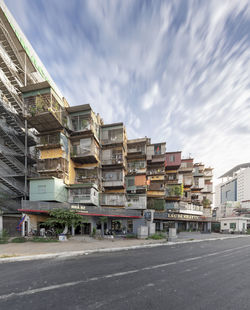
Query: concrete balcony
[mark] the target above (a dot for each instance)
(49, 141)
(118, 200)
(136, 202)
(155, 172)
(115, 161)
(186, 169)
(207, 188)
(155, 193)
(85, 199)
(51, 165)
(113, 183)
(83, 194)
(85, 155)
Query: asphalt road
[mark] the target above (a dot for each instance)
(205, 275)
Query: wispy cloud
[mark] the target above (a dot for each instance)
(173, 70)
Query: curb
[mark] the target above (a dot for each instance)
(105, 250)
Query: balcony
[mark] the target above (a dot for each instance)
(84, 175)
(136, 202)
(187, 182)
(207, 188)
(80, 123)
(156, 204)
(112, 134)
(155, 193)
(85, 153)
(118, 200)
(208, 173)
(113, 158)
(45, 113)
(115, 183)
(87, 196)
(173, 192)
(156, 186)
(113, 179)
(156, 171)
(49, 141)
(156, 178)
(52, 166)
(136, 150)
(136, 167)
(172, 181)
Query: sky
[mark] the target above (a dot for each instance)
(174, 70)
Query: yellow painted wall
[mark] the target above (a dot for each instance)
(155, 193)
(51, 153)
(34, 219)
(73, 165)
(156, 178)
(115, 191)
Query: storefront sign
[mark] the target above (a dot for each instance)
(79, 208)
(182, 216)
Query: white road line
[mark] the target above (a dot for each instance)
(113, 275)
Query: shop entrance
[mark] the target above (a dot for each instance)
(116, 226)
(84, 229)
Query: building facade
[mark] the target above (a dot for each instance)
(55, 156)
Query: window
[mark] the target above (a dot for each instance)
(131, 182)
(233, 225)
(157, 149)
(172, 158)
(41, 189)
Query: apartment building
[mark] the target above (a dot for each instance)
(156, 176)
(188, 195)
(136, 179)
(53, 155)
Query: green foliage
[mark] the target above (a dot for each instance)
(104, 219)
(206, 202)
(4, 237)
(41, 239)
(131, 236)
(59, 218)
(41, 105)
(94, 232)
(18, 240)
(174, 190)
(157, 236)
(156, 204)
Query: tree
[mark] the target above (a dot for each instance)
(61, 219)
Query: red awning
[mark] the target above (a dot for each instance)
(82, 213)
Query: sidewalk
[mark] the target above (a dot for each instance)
(81, 245)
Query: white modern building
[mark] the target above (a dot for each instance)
(233, 225)
(233, 193)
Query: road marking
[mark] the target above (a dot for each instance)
(113, 275)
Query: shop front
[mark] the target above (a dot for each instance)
(182, 222)
(113, 220)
